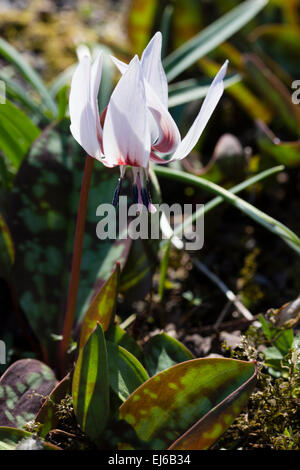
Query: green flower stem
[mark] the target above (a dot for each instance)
(76, 263)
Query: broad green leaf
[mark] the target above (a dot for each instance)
(162, 351)
(126, 373)
(102, 308)
(211, 37)
(7, 250)
(9, 112)
(17, 92)
(117, 335)
(13, 56)
(17, 133)
(18, 439)
(179, 402)
(191, 90)
(22, 388)
(282, 339)
(273, 358)
(260, 217)
(47, 416)
(90, 387)
(209, 428)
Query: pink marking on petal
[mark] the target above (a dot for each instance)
(167, 139)
(103, 116)
(155, 158)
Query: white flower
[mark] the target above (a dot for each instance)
(136, 126)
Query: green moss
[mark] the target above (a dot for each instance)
(272, 418)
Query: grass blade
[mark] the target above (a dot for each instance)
(190, 90)
(17, 133)
(211, 37)
(268, 222)
(13, 56)
(16, 92)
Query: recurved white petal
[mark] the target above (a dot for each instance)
(121, 66)
(168, 134)
(126, 134)
(153, 69)
(96, 73)
(83, 126)
(211, 100)
(165, 135)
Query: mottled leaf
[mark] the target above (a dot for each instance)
(42, 221)
(169, 404)
(17, 132)
(18, 439)
(102, 308)
(47, 416)
(126, 373)
(209, 428)
(162, 351)
(23, 389)
(90, 388)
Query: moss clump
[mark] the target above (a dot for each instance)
(272, 418)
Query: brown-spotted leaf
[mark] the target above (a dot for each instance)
(23, 389)
(47, 415)
(172, 402)
(102, 307)
(208, 429)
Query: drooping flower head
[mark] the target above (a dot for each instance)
(136, 126)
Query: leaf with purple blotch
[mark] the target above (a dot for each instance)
(23, 388)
